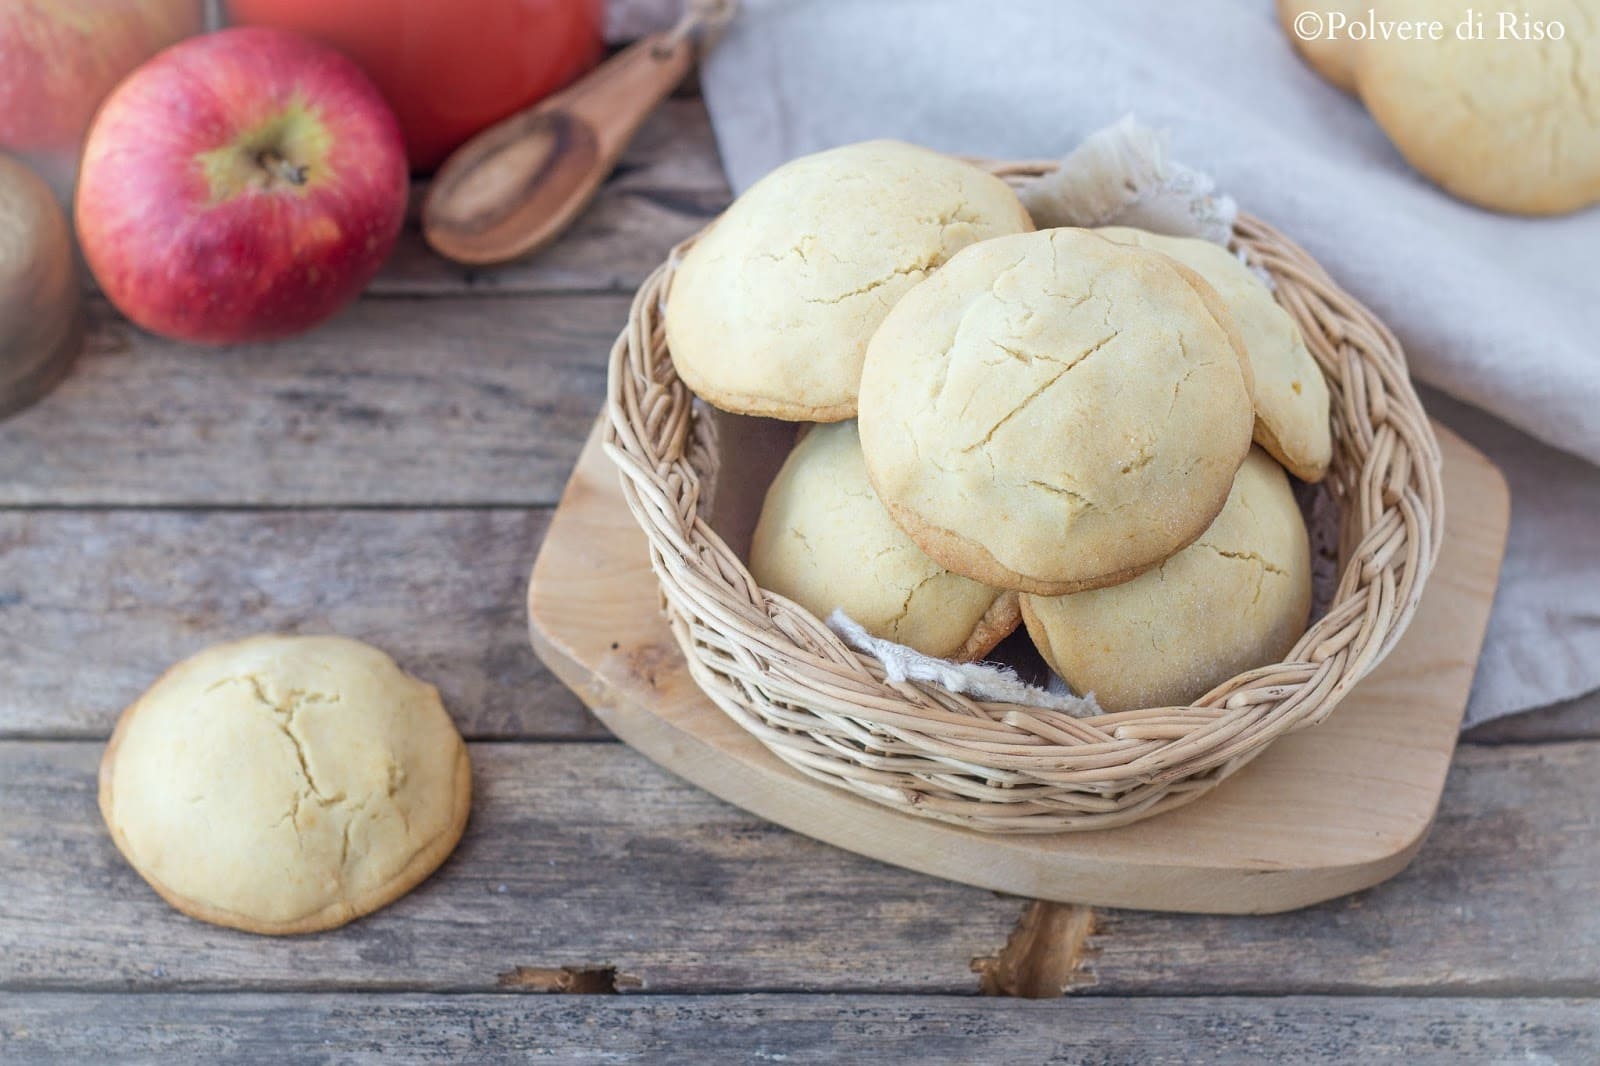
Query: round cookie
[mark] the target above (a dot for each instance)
(824, 541)
(1237, 598)
(1291, 395)
(285, 784)
(770, 311)
(1505, 124)
(1052, 411)
(1330, 52)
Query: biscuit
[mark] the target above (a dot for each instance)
(1291, 395)
(1236, 599)
(1052, 411)
(824, 541)
(285, 784)
(1329, 51)
(770, 311)
(1503, 123)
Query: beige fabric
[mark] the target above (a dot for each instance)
(824, 541)
(1512, 125)
(1052, 411)
(1291, 395)
(770, 312)
(285, 784)
(1237, 598)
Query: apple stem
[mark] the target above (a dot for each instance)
(281, 168)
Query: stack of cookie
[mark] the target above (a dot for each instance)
(1052, 427)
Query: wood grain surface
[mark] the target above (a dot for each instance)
(397, 402)
(795, 1029)
(95, 604)
(389, 476)
(577, 855)
(586, 855)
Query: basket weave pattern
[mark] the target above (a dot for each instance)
(828, 711)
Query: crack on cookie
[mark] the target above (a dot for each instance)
(1058, 490)
(893, 622)
(801, 537)
(872, 286)
(285, 713)
(344, 849)
(797, 250)
(920, 268)
(1145, 457)
(955, 217)
(1256, 557)
(1036, 393)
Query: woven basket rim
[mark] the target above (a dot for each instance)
(829, 711)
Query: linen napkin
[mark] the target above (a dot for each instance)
(1500, 314)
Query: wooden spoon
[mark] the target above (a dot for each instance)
(514, 188)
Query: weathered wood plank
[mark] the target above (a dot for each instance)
(1573, 720)
(796, 1029)
(95, 605)
(612, 247)
(1501, 899)
(403, 402)
(576, 855)
(586, 855)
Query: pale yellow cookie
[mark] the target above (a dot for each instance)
(825, 542)
(1509, 124)
(285, 784)
(769, 312)
(1053, 411)
(1236, 599)
(1291, 395)
(1318, 29)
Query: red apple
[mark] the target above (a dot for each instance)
(240, 186)
(59, 58)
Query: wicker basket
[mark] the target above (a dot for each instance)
(826, 710)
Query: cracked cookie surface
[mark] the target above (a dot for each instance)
(1237, 598)
(770, 311)
(1508, 124)
(1052, 411)
(285, 784)
(1291, 395)
(824, 541)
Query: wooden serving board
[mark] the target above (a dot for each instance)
(1324, 812)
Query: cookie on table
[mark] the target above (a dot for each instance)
(1237, 598)
(1291, 395)
(1053, 411)
(770, 311)
(825, 542)
(1511, 125)
(1330, 52)
(285, 784)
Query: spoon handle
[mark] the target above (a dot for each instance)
(516, 186)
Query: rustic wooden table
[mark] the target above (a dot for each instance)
(389, 477)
